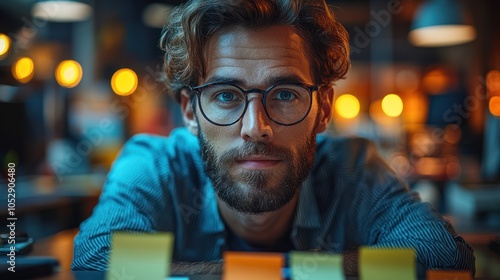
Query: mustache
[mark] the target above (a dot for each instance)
(256, 148)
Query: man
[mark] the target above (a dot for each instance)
(250, 172)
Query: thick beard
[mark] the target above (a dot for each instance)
(257, 192)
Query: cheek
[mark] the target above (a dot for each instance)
(219, 137)
(295, 137)
(308, 126)
(301, 130)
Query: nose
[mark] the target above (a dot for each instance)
(255, 124)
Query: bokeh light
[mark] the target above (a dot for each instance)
(124, 82)
(392, 105)
(347, 106)
(452, 133)
(439, 80)
(407, 80)
(376, 112)
(23, 69)
(493, 82)
(4, 44)
(69, 73)
(494, 106)
(61, 10)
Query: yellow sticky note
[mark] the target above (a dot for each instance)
(448, 275)
(252, 266)
(316, 266)
(137, 256)
(387, 264)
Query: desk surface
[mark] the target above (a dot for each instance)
(97, 275)
(60, 246)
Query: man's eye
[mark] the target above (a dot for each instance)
(284, 95)
(226, 97)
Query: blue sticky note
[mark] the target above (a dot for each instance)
(316, 266)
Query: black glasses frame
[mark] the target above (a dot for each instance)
(198, 90)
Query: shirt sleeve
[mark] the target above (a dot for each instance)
(398, 218)
(132, 200)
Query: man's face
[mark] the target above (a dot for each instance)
(256, 165)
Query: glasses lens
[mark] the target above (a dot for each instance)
(222, 104)
(288, 104)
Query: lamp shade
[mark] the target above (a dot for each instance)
(155, 14)
(440, 23)
(62, 11)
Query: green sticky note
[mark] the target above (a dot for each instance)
(316, 266)
(387, 264)
(136, 256)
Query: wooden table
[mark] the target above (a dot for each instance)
(60, 246)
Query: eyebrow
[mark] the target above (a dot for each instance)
(270, 81)
(226, 80)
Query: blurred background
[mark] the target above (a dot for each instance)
(78, 78)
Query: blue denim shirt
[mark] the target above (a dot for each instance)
(351, 198)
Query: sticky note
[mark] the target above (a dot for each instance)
(137, 256)
(448, 275)
(252, 266)
(387, 264)
(316, 266)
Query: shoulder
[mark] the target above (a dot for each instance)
(179, 142)
(350, 176)
(180, 139)
(152, 155)
(347, 152)
(353, 162)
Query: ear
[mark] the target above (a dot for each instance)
(188, 113)
(325, 112)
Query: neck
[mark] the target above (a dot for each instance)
(259, 229)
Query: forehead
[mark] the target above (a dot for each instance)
(257, 56)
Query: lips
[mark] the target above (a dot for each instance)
(258, 162)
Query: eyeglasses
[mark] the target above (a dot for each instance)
(225, 104)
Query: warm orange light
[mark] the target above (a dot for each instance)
(407, 80)
(375, 111)
(452, 133)
(23, 69)
(4, 44)
(347, 106)
(494, 106)
(69, 73)
(124, 82)
(436, 81)
(392, 105)
(493, 82)
(415, 109)
(429, 166)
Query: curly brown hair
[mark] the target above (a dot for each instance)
(192, 24)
